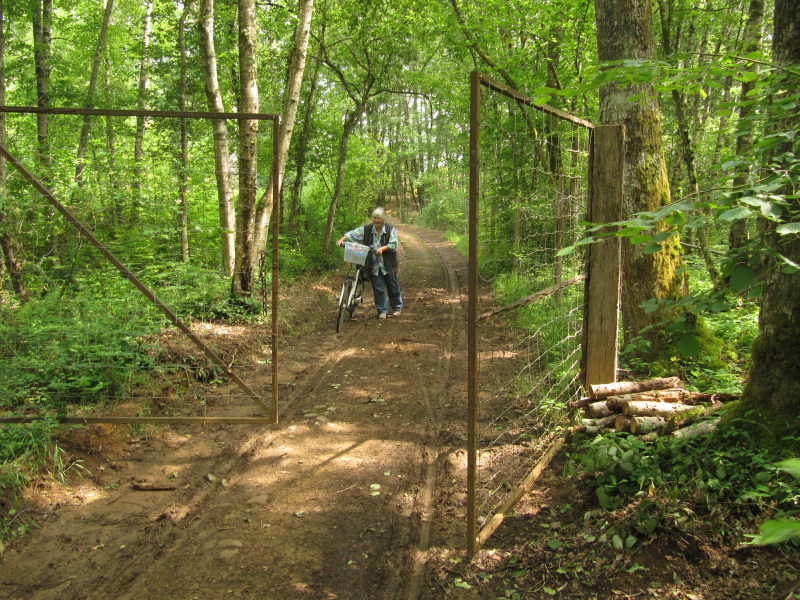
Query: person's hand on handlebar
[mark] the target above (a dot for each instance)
(341, 242)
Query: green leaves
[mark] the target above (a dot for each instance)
(689, 345)
(770, 208)
(791, 466)
(460, 583)
(788, 228)
(741, 279)
(554, 544)
(621, 544)
(570, 249)
(776, 531)
(735, 214)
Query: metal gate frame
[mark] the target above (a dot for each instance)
(599, 347)
(269, 409)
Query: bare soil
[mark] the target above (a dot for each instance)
(359, 492)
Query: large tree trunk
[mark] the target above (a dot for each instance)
(773, 392)
(144, 85)
(222, 169)
(98, 57)
(183, 176)
(625, 31)
(10, 261)
(242, 281)
(297, 65)
(738, 235)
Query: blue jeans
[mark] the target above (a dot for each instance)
(380, 283)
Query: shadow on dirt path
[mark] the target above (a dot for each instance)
(343, 499)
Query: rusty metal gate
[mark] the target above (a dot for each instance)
(269, 408)
(537, 329)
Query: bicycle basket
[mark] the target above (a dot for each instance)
(355, 253)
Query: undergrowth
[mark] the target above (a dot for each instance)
(28, 452)
(722, 485)
(82, 343)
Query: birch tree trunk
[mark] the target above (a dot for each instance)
(80, 165)
(222, 169)
(183, 177)
(242, 280)
(297, 65)
(625, 31)
(144, 85)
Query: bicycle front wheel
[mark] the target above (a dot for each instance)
(355, 298)
(344, 296)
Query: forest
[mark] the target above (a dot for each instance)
(354, 104)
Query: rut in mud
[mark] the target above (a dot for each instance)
(343, 499)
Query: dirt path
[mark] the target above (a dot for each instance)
(343, 499)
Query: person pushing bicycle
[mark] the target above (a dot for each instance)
(381, 238)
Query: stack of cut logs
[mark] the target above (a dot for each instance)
(649, 407)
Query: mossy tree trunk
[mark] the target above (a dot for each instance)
(625, 31)
(773, 392)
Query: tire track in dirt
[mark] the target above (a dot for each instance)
(434, 452)
(293, 512)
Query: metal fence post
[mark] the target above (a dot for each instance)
(472, 308)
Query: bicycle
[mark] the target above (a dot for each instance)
(351, 294)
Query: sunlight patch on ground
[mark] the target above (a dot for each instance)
(497, 354)
(224, 330)
(88, 495)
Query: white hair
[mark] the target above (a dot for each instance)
(380, 213)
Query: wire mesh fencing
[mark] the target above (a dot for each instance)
(115, 222)
(529, 194)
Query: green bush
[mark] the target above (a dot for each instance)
(56, 350)
(670, 478)
(445, 210)
(18, 441)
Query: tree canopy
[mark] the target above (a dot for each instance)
(382, 117)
